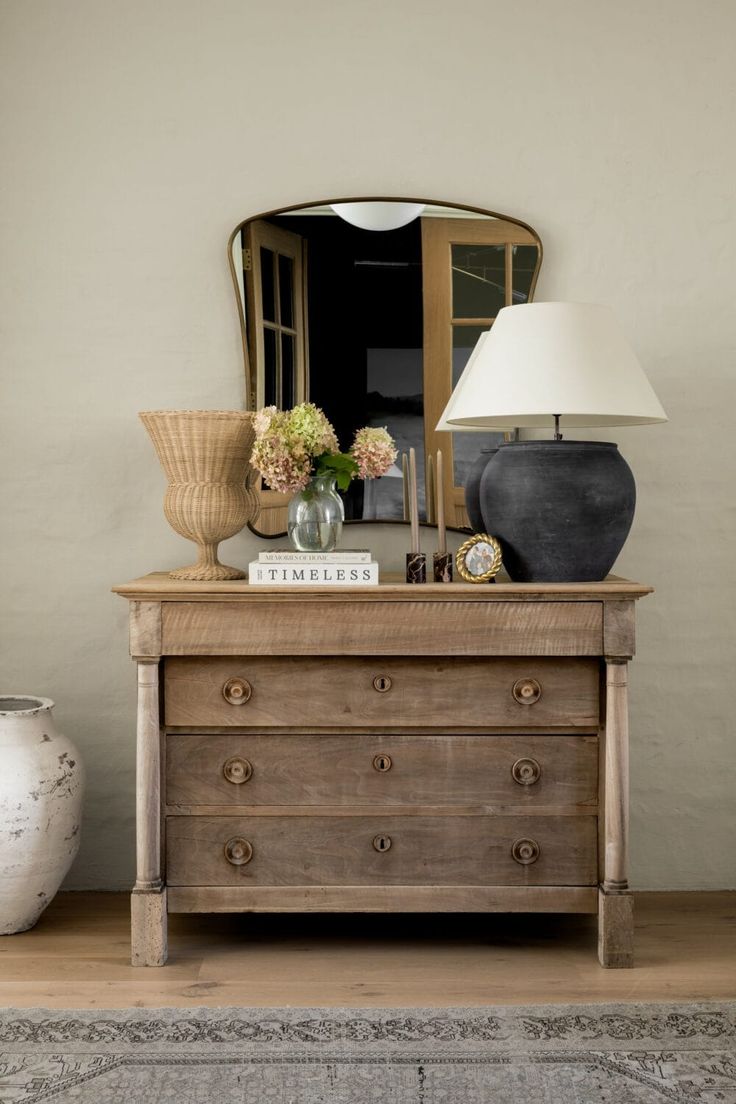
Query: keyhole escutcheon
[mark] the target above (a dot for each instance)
(382, 843)
(382, 763)
(382, 683)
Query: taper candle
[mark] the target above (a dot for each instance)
(441, 531)
(405, 483)
(442, 560)
(429, 490)
(413, 501)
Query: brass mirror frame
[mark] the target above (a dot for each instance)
(240, 303)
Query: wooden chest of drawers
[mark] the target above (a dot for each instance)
(398, 748)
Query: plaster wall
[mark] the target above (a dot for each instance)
(136, 135)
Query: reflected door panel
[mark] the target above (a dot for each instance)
(468, 268)
(274, 277)
(275, 288)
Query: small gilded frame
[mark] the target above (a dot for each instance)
(478, 560)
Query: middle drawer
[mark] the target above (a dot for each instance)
(386, 691)
(261, 769)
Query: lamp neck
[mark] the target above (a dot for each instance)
(558, 435)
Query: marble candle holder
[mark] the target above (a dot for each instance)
(416, 567)
(442, 567)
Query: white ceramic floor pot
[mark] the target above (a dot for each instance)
(41, 790)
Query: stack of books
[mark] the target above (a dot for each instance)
(286, 567)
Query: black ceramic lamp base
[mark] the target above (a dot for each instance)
(472, 488)
(562, 510)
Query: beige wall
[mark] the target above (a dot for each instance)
(139, 133)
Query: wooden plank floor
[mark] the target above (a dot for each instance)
(77, 957)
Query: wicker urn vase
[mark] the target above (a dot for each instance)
(41, 790)
(206, 457)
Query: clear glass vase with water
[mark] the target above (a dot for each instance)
(316, 516)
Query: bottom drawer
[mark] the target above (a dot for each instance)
(381, 850)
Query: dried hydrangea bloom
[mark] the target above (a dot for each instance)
(262, 419)
(310, 425)
(286, 443)
(374, 451)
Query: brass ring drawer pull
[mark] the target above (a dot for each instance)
(382, 763)
(527, 691)
(237, 691)
(382, 683)
(382, 843)
(526, 772)
(237, 770)
(238, 851)
(525, 851)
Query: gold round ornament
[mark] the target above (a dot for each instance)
(478, 560)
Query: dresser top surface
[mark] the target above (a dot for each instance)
(158, 586)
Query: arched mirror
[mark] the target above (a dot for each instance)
(370, 308)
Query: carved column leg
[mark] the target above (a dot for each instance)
(615, 901)
(148, 900)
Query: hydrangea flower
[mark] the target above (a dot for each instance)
(374, 451)
(262, 419)
(293, 445)
(308, 423)
(279, 454)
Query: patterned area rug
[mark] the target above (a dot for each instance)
(555, 1054)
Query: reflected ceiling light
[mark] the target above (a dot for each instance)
(377, 215)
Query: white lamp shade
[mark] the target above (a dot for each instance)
(378, 215)
(542, 359)
(443, 426)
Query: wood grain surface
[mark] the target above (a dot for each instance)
(381, 770)
(301, 692)
(340, 851)
(382, 628)
(149, 933)
(424, 692)
(393, 588)
(148, 777)
(376, 899)
(145, 629)
(77, 955)
(616, 930)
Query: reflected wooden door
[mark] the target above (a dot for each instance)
(274, 268)
(275, 288)
(471, 268)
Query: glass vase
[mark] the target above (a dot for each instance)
(316, 515)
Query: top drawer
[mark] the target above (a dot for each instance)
(388, 692)
(306, 624)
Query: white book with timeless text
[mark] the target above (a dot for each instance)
(312, 574)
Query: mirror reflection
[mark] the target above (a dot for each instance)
(370, 309)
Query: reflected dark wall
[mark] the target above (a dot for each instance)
(364, 292)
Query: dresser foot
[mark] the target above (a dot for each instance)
(616, 929)
(149, 924)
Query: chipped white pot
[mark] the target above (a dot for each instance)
(41, 789)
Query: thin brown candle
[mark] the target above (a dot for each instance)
(441, 532)
(413, 501)
(405, 483)
(429, 490)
